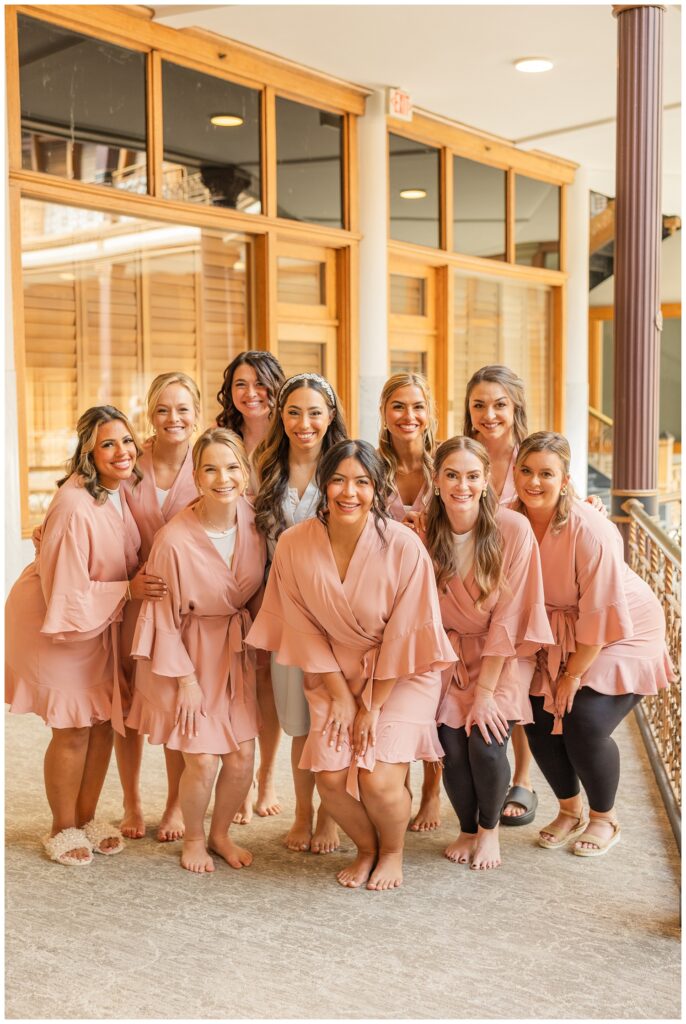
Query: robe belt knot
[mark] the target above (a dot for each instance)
(550, 660)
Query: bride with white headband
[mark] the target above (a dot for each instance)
(309, 422)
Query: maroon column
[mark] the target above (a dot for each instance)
(637, 257)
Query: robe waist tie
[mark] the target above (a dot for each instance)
(110, 637)
(459, 673)
(368, 667)
(551, 659)
(241, 666)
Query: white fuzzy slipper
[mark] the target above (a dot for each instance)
(99, 830)
(59, 847)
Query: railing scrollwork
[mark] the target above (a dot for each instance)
(656, 558)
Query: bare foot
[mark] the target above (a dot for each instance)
(487, 852)
(357, 873)
(267, 800)
(299, 837)
(132, 825)
(171, 827)
(388, 873)
(243, 815)
(195, 857)
(234, 855)
(429, 815)
(462, 850)
(326, 838)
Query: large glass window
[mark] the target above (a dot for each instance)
(500, 321)
(414, 172)
(309, 163)
(478, 209)
(82, 107)
(537, 223)
(111, 301)
(211, 140)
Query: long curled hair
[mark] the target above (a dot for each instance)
(219, 435)
(270, 458)
(386, 449)
(367, 457)
(512, 385)
(82, 462)
(269, 374)
(557, 444)
(488, 540)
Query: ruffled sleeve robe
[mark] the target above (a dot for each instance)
(63, 614)
(510, 623)
(200, 627)
(593, 597)
(381, 622)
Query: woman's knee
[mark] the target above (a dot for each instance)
(202, 767)
(487, 754)
(71, 740)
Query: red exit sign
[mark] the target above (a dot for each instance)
(399, 104)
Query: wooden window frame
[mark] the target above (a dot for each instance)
(453, 140)
(213, 55)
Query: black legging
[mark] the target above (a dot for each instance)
(585, 751)
(476, 776)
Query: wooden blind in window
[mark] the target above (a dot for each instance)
(224, 313)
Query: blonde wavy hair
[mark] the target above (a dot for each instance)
(386, 449)
(162, 381)
(488, 540)
(82, 462)
(512, 384)
(556, 444)
(221, 435)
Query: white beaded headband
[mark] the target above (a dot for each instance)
(313, 377)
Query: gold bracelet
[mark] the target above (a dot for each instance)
(570, 675)
(183, 686)
(481, 686)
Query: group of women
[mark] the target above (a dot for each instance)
(380, 606)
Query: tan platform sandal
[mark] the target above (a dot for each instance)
(560, 837)
(601, 845)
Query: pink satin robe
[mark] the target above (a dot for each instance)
(63, 614)
(396, 509)
(381, 622)
(511, 622)
(509, 491)
(593, 597)
(143, 503)
(150, 518)
(200, 627)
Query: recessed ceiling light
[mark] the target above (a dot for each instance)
(68, 277)
(226, 120)
(533, 65)
(413, 193)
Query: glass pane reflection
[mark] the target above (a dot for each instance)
(479, 209)
(82, 107)
(309, 147)
(415, 167)
(537, 223)
(204, 162)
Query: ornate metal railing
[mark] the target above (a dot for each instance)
(600, 441)
(657, 559)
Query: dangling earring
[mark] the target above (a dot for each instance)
(484, 493)
(437, 492)
(563, 491)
